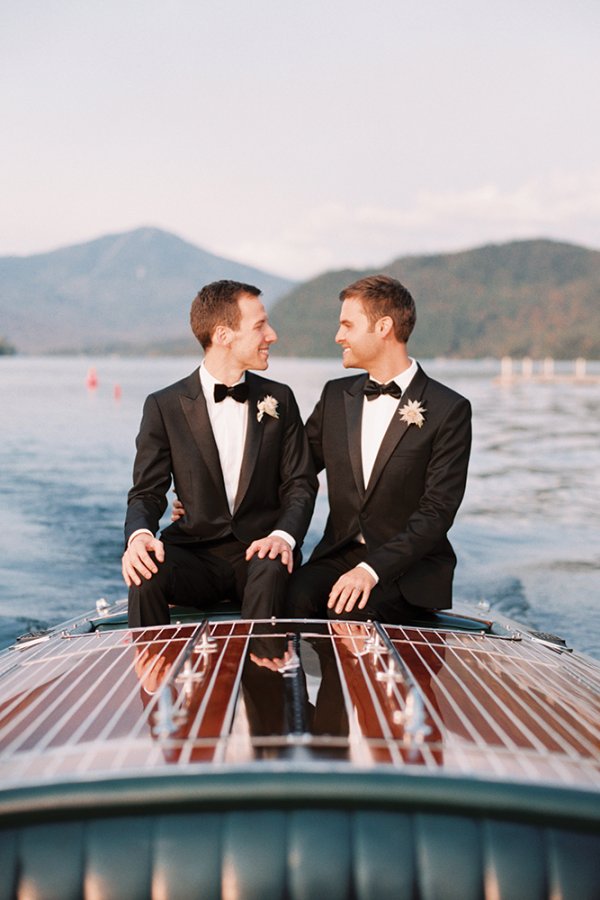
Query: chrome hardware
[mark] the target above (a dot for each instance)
(206, 644)
(372, 643)
(167, 720)
(414, 718)
(188, 677)
(289, 668)
(390, 675)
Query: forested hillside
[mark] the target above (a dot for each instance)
(537, 298)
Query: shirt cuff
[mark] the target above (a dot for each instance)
(139, 531)
(364, 565)
(287, 537)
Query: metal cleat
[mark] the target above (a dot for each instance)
(102, 606)
(206, 644)
(188, 677)
(390, 675)
(167, 719)
(416, 728)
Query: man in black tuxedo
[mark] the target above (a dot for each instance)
(234, 446)
(395, 447)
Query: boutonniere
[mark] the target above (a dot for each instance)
(413, 413)
(267, 405)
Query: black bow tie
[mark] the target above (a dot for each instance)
(373, 389)
(239, 392)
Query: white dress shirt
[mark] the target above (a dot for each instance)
(376, 418)
(229, 420)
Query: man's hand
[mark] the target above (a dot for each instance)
(136, 562)
(272, 546)
(151, 668)
(355, 585)
(275, 665)
(178, 512)
(351, 635)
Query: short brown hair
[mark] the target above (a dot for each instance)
(217, 304)
(385, 296)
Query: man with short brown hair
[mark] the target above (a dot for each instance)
(395, 446)
(234, 446)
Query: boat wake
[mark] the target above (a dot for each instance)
(507, 596)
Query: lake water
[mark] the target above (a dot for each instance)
(527, 535)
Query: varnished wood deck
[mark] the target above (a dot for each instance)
(243, 693)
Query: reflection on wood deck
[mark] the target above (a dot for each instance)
(415, 699)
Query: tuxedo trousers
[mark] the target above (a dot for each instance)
(204, 574)
(311, 584)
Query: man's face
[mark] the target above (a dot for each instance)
(356, 336)
(250, 342)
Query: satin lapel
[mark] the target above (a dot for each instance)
(196, 414)
(353, 400)
(396, 429)
(254, 433)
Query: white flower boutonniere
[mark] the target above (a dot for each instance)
(413, 413)
(267, 405)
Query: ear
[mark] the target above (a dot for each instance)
(384, 326)
(222, 335)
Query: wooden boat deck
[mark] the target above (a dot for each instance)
(236, 693)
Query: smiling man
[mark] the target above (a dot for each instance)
(234, 446)
(395, 446)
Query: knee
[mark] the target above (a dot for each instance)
(150, 592)
(147, 604)
(149, 586)
(268, 569)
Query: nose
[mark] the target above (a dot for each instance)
(271, 335)
(339, 336)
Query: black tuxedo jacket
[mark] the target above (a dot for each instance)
(416, 486)
(277, 484)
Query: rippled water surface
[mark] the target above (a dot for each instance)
(527, 535)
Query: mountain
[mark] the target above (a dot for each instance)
(525, 298)
(118, 292)
(132, 292)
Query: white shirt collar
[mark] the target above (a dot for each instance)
(404, 378)
(208, 381)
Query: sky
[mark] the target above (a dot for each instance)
(300, 136)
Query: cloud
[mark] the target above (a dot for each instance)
(338, 235)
